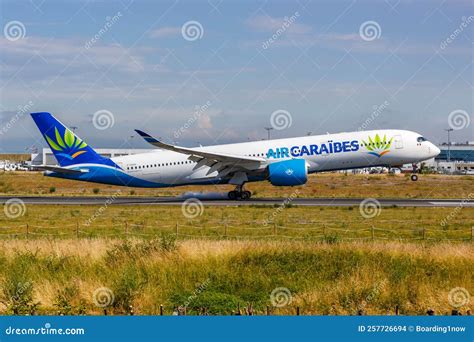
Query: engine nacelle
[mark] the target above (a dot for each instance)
(288, 172)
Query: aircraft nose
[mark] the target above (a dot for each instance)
(434, 150)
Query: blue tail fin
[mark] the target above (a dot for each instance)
(67, 147)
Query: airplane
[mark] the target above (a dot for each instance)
(283, 162)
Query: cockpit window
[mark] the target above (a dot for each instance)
(421, 139)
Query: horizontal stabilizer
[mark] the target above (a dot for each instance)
(57, 169)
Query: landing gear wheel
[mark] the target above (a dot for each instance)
(245, 195)
(414, 178)
(233, 195)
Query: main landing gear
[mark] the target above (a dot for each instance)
(239, 193)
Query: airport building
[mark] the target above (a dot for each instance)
(457, 158)
(47, 157)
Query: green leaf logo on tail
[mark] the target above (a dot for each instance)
(68, 145)
(378, 146)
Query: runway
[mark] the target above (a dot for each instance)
(310, 202)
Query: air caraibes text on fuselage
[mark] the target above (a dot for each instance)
(313, 149)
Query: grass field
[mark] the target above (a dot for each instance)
(319, 185)
(270, 222)
(67, 276)
(75, 259)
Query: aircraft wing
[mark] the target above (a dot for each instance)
(217, 160)
(58, 169)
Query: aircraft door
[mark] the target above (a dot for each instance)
(398, 142)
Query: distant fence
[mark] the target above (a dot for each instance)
(299, 231)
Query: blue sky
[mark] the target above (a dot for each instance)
(320, 68)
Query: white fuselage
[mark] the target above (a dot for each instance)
(321, 153)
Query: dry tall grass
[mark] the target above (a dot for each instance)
(323, 278)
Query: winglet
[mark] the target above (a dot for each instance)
(146, 136)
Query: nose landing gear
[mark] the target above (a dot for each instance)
(414, 177)
(239, 193)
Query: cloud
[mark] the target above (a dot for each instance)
(165, 32)
(205, 122)
(265, 23)
(52, 55)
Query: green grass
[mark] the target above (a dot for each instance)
(256, 222)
